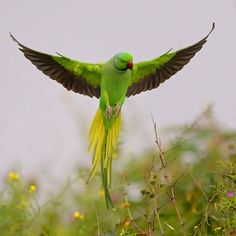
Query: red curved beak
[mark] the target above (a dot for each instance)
(130, 65)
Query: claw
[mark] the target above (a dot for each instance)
(117, 109)
(109, 112)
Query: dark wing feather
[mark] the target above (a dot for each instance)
(68, 72)
(150, 74)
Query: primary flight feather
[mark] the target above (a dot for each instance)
(111, 82)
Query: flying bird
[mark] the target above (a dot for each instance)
(111, 82)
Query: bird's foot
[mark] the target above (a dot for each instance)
(117, 109)
(109, 112)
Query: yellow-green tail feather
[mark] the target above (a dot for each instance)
(103, 143)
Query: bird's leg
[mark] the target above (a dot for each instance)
(109, 112)
(105, 103)
(118, 106)
(117, 109)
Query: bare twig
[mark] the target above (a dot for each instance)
(141, 231)
(98, 226)
(163, 167)
(159, 222)
(173, 185)
(198, 185)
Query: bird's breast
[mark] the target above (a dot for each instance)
(115, 83)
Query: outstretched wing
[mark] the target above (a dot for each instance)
(80, 77)
(148, 75)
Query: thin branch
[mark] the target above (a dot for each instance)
(98, 226)
(163, 166)
(198, 185)
(159, 222)
(173, 185)
(141, 231)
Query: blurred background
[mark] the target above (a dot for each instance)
(44, 128)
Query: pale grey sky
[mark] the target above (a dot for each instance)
(41, 124)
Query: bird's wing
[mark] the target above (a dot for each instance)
(150, 74)
(80, 77)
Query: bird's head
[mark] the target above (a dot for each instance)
(123, 61)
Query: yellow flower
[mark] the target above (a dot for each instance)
(125, 205)
(78, 216)
(194, 210)
(189, 196)
(217, 229)
(13, 176)
(32, 188)
(127, 223)
(101, 193)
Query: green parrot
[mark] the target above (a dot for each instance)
(111, 82)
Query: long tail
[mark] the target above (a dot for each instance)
(103, 142)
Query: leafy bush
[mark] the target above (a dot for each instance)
(187, 187)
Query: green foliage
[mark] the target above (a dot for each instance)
(187, 187)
